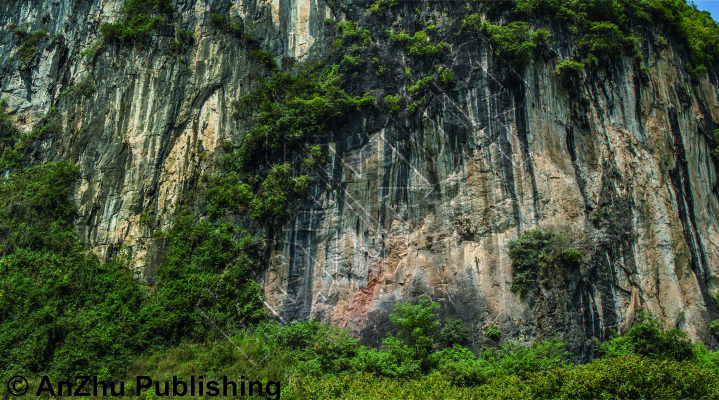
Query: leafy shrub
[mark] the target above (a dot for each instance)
(351, 62)
(27, 50)
(92, 49)
(446, 76)
(541, 37)
(523, 361)
(535, 250)
(61, 308)
(526, 253)
(369, 386)
(569, 68)
(217, 19)
(234, 27)
(174, 47)
(266, 58)
(348, 29)
(287, 109)
(406, 355)
(627, 377)
(453, 331)
(85, 86)
(492, 332)
(714, 327)
(8, 131)
(380, 6)
(316, 156)
(418, 44)
(704, 358)
(648, 338)
(138, 19)
(392, 103)
(421, 84)
(457, 364)
(416, 322)
(13, 142)
(512, 42)
(603, 27)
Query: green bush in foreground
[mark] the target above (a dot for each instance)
(63, 313)
(626, 377)
(649, 338)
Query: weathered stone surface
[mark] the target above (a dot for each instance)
(407, 207)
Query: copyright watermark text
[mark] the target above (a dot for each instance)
(195, 386)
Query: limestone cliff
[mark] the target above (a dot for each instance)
(409, 204)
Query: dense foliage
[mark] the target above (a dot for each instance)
(288, 108)
(608, 29)
(63, 312)
(535, 250)
(138, 19)
(28, 45)
(13, 141)
(315, 360)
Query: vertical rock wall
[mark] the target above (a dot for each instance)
(406, 206)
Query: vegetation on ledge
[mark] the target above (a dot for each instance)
(138, 19)
(535, 250)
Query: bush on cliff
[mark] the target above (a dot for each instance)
(535, 250)
(606, 28)
(138, 19)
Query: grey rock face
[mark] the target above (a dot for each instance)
(408, 205)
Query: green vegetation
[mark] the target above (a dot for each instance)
(27, 49)
(446, 76)
(351, 62)
(380, 6)
(492, 332)
(13, 142)
(138, 19)
(453, 331)
(85, 86)
(315, 156)
(421, 84)
(513, 42)
(76, 302)
(173, 48)
(535, 250)
(392, 103)
(217, 19)
(60, 307)
(714, 327)
(287, 108)
(65, 313)
(265, 58)
(419, 44)
(92, 50)
(650, 339)
(607, 29)
(569, 68)
(236, 27)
